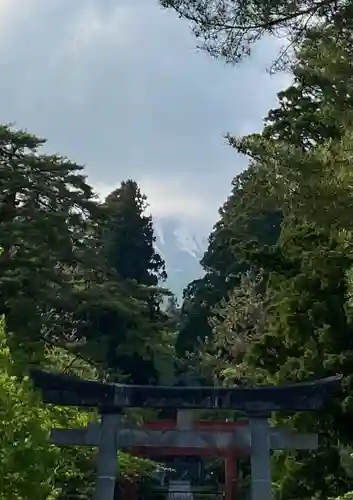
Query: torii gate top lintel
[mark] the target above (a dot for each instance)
(67, 390)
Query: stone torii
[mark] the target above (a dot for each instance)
(127, 437)
(110, 435)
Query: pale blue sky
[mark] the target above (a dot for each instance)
(119, 86)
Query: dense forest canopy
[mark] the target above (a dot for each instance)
(276, 295)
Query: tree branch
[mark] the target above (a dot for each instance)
(211, 24)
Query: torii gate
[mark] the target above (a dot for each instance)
(240, 446)
(257, 402)
(185, 421)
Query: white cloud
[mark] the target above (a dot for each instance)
(96, 31)
(169, 198)
(119, 86)
(173, 197)
(8, 11)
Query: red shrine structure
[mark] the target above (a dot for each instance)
(229, 456)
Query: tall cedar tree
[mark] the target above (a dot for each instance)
(127, 245)
(129, 238)
(303, 166)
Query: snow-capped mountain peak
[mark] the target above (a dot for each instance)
(182, 249)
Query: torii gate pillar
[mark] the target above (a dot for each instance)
(107, 457)
(230, 473)
(260, 458)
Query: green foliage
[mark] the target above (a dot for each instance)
(27, 461)
(237, 322)
(283, 259)
(83, 274)
(46, 207)
(31, 468)
(133, 338)
(79, 289)
(128, 236)
(230, 29)
(80, 281)
(246, 223)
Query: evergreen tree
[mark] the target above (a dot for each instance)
(245, 223)
(64, 301)
(302, 165)
(173, 308)
(129, 239)
(131, 342)
(231, 29)
(53, 269)
(237, 322)
(46, 208)
(32, 468)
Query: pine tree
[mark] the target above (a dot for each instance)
(131, 342)
(46, 207)
(231, 29)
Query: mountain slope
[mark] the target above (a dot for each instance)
(182, 249)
